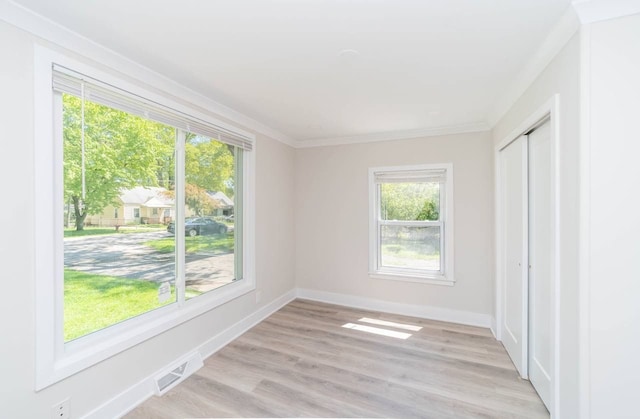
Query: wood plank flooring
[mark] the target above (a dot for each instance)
(302, 362)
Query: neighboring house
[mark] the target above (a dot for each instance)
(140, 205)
(151, 205)
(224, 204)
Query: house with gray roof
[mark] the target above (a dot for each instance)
(151, 205)
(139, 205)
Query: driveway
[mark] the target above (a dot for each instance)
(126, 256)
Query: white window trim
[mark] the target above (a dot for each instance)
(56, 360)
(446, 275)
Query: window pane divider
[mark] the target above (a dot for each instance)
(179, 229)
(411, 223)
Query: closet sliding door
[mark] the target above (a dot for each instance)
(526, 246)
(513, 187)
(540, 260)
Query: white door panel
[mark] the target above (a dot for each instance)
(513, 167)
(540, 261)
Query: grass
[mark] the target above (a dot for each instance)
(199, 244)
(88, 231)
(408, 252)
(100, 231)
(93, 302)
(411, 254)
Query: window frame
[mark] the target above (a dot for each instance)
(376, 270)
(56, 360)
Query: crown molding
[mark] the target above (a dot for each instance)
(395, 135)
(558, 36)
(590, 11)
(54, 33)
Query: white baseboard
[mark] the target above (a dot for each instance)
(126, 401)
(425, 312)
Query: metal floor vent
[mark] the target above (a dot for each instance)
(177, 372)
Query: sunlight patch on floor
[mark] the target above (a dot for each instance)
(391, 324)
(377, 331)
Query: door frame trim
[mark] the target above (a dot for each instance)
(550, 109)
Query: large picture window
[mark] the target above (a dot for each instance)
(151, 221)
(411, 223)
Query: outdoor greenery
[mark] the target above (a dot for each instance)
(101, 231)
(122, 151)
(410, 251)
(209, 166)
(93, 302)
(88, 231)
(410, 201)
(107, 151)
(214, 244)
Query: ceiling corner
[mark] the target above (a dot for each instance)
(590, 11)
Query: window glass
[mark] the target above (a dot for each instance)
(210, 239)
(410, 201)
(113, 269)
(410, 247)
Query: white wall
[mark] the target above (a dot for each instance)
(90, 388)
(561, 76)
(614, 222)
(332, 230)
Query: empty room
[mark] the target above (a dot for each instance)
(320, 208)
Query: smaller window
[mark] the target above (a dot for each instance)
(411, 223)
(136, 213)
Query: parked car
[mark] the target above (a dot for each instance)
(200, 226)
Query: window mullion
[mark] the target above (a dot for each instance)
(179, 203)
(378, 228)
(442, 218)
(411, 223)
(443, 253)
(239, 214)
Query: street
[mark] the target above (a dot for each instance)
(126, 256)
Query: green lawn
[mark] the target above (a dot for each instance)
(93, 302)
(411, 252)
(88, 231)
(208, 244)
(97, 231)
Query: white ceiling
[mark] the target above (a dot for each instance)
(321, 69)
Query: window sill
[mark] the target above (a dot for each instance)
(421, 279)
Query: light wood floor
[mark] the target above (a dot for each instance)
(301, 362)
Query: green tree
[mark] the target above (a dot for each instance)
(198, 200)
(410, 201)
(121, 151)
(209, 165)
(429, 211)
